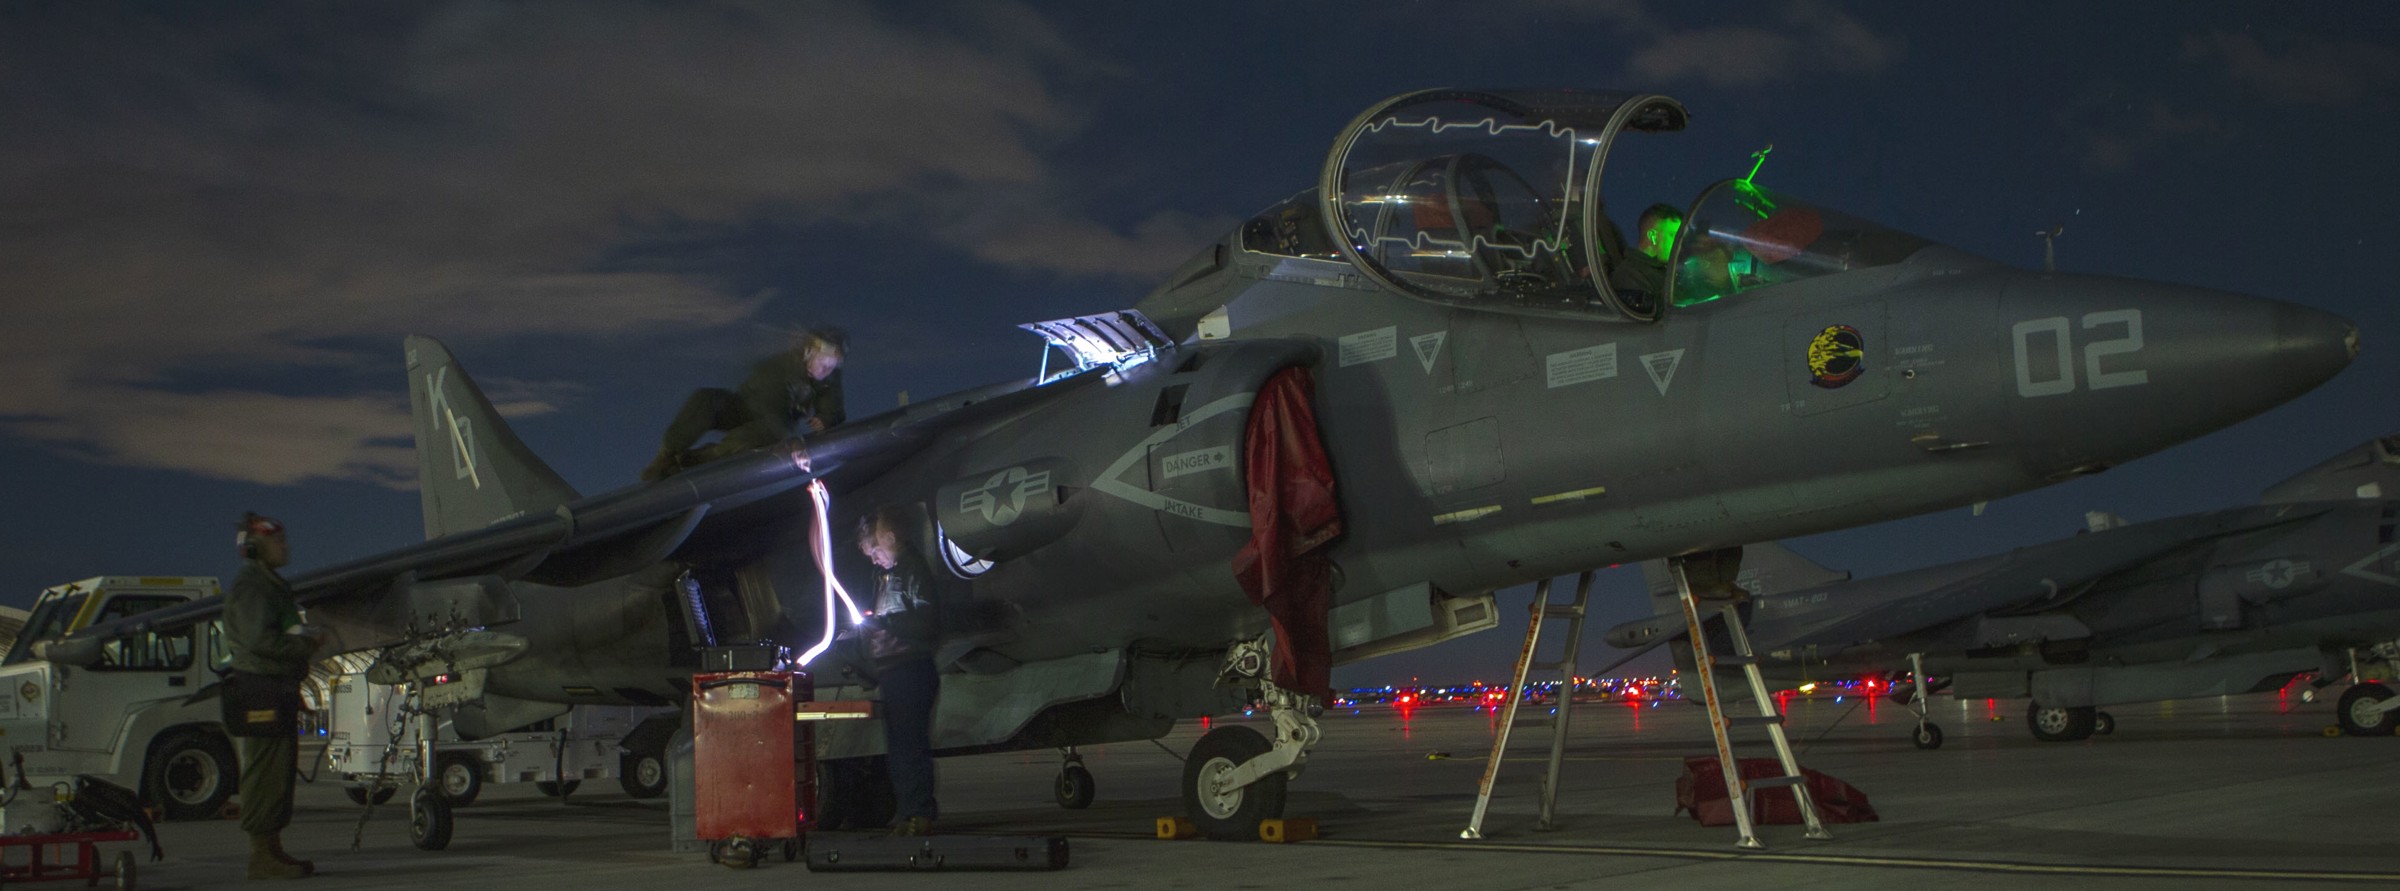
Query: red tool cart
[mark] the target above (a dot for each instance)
(746, 784)
(82, 863)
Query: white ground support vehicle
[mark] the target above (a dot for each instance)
(365, 720)
(130, 718)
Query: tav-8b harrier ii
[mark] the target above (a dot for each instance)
(1487, 410)
(2238, 600)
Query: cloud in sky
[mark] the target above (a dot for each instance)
(186, 188)
(1797, 38)
(2310, 72)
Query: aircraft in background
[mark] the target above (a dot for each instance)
(2230, 601)
(1493, 408)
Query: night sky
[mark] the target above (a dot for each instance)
(217, 223)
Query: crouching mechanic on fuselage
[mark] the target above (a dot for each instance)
(797, 392)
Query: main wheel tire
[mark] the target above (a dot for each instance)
(191, 774)
(643, 774)
(2103, 723)
(1928, 736)
(459, 777)
(2355, 715)
(1234, 815)
(560, 789)
(429, 821)
(2059, 723)
(1074, 788)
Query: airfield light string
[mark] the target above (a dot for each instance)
(821, 542)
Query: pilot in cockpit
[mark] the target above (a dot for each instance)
(1645, 270)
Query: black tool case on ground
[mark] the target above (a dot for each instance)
(840, 852)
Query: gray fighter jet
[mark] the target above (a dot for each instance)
(1495, 407)
(2230, 601)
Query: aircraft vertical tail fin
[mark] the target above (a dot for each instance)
(2371, 470)
(472, 471)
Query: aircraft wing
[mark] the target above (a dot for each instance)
(2034, 576)
(601, 536)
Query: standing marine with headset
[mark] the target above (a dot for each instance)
(271, 654)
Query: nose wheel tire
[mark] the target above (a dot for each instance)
(1928, 736)
(2357, 713)
(2060, 723)
(1074, 788)
(1229, 815)
(429, 821)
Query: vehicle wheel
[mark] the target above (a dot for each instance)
(1229, 816)
(358, 794)
(2357, 718)
(459, 777)
(791, 850)
(2059, 724)
(1074, 788)
(643, 774)
(1928, 735)
(429, 821)
(560, 789)
(191, 774)
(124, 871)
(2103, 723)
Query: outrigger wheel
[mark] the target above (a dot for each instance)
(1230, 815)
(429, 820)
(1928, 735)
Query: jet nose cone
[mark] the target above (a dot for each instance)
(2132, 367)
(2312, 345)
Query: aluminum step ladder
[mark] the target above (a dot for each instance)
(1741, 793)
(1574, 613)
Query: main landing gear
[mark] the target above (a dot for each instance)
(2068, 723)
(2369, 708)
(1235, 776)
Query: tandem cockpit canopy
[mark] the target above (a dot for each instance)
(1487, 199)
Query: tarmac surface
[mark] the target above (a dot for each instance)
(2230, 792)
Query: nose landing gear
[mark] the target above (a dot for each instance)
(1074, 788)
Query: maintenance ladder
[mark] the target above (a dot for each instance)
(1741, 793)
(1565, 666)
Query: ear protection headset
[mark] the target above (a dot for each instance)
(252, 529)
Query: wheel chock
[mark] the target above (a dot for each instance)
(1175, 828)
(231, 811)
(2333, 731)
(1296, 829)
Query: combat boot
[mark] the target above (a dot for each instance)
(275, 844)
(265, 865)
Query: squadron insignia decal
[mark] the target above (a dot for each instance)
(1836, 357)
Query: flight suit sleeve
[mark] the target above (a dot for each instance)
(828, 402)
(254, 620)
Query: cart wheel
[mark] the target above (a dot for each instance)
(791, 850)
(738, 852)
(560, 789)
(124, 871)
(429, 820)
